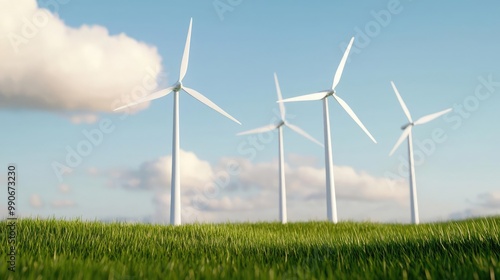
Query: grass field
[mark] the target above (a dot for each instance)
(52, 249)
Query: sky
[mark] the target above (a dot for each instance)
(66, 64)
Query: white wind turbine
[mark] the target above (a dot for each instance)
(175, 204)
(279, 126)
(407, 134)
(331, 204)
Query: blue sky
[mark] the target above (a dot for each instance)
(438, 54)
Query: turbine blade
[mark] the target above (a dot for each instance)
(353, 116)
(430, 117)
(303, 133)
(401, 139)
(403, 105)
(258, 130)
(150, 97)
(280, 97)
(340, 69)
(200, 97)
(185, 56)
(308, 97)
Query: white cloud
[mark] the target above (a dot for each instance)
(63, 203)
(92, 171)
(48, 65)
(485, 204)
(238, 189)
(84, 118)
(64, 188)
(161, 202)
(489, 200)
(36, 201)
(156, 174)
(298, 160)
(308, 182)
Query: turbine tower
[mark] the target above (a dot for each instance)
(331, 203)
(407, 134)
(279, 126)
(175, 204)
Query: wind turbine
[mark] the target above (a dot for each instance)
(279, 126)
(175, 205)
(407, 134)
(331, 204)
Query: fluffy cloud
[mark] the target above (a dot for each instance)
(64, 188)
(308, 182)
(156, 174)
(490, 200)
(238, 189)
(48, 65)
(84, 118)
(485, 204)
(63, 203)
(36, 201)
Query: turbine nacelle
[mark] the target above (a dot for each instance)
(330, 92)
(280, 124)
(177, 86)
(407, 125)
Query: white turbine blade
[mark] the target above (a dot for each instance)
(280, 97)
(340, 69)
(353, 116)
(308, 97)
(150, 97)
(185, 56)
(401, 139)
(303, 133)
(430, 117)
(258, 130)
(207, 102)
(403, 105)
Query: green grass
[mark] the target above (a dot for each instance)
(53, 249)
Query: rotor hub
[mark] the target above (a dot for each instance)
(407, 125)
(177, 86)
(329, 93)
